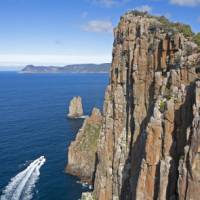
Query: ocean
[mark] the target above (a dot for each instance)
(35, 132)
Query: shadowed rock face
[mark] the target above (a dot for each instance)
(82, 151)
(189, 163)
(75, 108)
(146, 148)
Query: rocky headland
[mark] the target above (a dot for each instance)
(82, 151)
(76, 68)
(149, 142)
(75, 107)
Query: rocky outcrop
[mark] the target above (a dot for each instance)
(149, 140)
(87, 196)
(75, 108)
(82, 151)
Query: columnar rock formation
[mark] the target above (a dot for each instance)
(149, 145)
(189, 163)
(82, 151)
(75, 108)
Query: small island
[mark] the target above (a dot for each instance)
(82, 151)
(76, 68)
(75, 108)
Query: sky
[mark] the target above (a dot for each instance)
(60, 32)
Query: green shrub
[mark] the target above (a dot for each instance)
(166, 23)
(162, 106)
(182, 28)
(185, 29)
(163, 20)
(196, 39)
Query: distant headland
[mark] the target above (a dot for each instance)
(76, 68)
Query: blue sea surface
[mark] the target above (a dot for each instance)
(33, 123)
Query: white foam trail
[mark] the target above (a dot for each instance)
(27, 192)
(21, 186)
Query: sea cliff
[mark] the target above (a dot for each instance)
(82, 151)
(149, 142)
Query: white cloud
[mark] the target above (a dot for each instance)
(144, 8)
(12, 60)
(99, 26)
(185, 2)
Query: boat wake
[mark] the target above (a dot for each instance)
(21, 186)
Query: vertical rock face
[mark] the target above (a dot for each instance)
(75, 108)
(149, 140)
(189, 163)
(82, 152)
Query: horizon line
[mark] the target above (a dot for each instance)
(22, 60)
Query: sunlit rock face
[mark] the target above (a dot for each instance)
(82, 151)
(149, 141)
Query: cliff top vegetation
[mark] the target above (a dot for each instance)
(185, 29)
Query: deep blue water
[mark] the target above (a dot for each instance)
(33, 109)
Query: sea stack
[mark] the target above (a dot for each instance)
(75, 108)
(82, 151)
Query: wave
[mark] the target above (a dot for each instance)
(21, 186)
(85, 185)
(80, 117)
(83, 117)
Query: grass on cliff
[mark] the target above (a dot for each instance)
(162, 106)
(91, 136)
(196, 39)
(182, 28)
